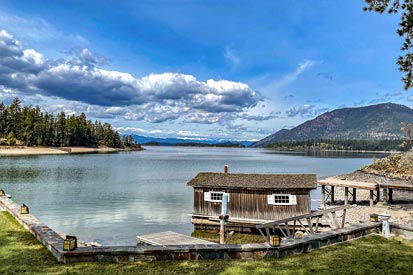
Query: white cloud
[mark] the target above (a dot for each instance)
(271, 83)
(107, 94)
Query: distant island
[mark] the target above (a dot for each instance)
(28, 127)
(196, 144)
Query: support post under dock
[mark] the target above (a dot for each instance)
(323, 196)
(378, 194)
(371, 198)
(354, 195)
(390, 195)
(332, 195)
(345, 195)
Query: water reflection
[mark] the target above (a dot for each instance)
(112, 198)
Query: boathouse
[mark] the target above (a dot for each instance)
(253, 198)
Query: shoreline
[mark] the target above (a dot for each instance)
(331, 150)
(38, 151)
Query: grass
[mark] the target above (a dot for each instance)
(20, 253)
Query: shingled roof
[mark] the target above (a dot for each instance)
(254, 181)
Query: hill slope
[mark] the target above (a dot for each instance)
(374, 122)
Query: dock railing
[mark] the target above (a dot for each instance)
(288, 227)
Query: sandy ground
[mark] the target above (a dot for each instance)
(30, 151)
(401, 210)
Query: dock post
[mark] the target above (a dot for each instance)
(323, 196)
(345, 195)
(354, 195)
(332, 194)
(386, 195)
(371, 198)
(223, 219)
(378, 194)
(390, 195)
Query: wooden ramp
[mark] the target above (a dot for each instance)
(170, 238)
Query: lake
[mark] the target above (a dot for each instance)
(111, 198)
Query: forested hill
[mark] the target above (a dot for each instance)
(374, 122)
(31, 127)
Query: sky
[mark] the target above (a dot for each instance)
(238, 70)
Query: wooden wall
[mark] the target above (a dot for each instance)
(252, 204)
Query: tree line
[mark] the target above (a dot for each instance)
(356, 145)
(31, 127)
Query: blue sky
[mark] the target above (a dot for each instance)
(198, 69)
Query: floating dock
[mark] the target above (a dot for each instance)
(170, 238)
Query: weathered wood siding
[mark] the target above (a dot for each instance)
(253, 204)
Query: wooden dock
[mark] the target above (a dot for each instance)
(170, 238)
(373, 187)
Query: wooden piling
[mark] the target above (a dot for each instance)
(332, 194)
(378, 194)
(354, 195)
(371, 198)
(345, 195)
(323, 196)
(390, 195)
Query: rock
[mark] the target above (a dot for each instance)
(298, 235)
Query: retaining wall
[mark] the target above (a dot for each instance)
(54, 243)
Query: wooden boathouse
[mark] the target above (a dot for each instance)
(253, 198)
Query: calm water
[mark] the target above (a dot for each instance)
(111, 198)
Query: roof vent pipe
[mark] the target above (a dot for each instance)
(225, 169)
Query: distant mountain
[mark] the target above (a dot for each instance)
(174, 141)
(374, 122)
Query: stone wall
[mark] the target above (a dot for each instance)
(54, 243)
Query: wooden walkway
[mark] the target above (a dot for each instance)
(170, 238)
(373, 187)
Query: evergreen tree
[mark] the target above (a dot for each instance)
(34, 128)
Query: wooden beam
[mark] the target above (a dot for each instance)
(310, 225)
(378, 194)
(345, 195)
(311, 215)
(390, 195)
(267, 230)
(332, 194)
(282, 231)
(354, 195)
(371, 198)
(308, 232)
(323, 196)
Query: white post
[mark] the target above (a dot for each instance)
(385, 231)
(223, 218)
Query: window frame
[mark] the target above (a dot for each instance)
(208, 195)
(292, 199)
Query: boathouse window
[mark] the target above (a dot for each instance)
(282, 199)
(214, 196)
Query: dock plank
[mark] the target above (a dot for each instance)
(170, 238)
(348, 183)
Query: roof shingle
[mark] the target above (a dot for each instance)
(254, 181)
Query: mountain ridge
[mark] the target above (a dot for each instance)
(373, 122)
(173, 141)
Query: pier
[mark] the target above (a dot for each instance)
(350, 190)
